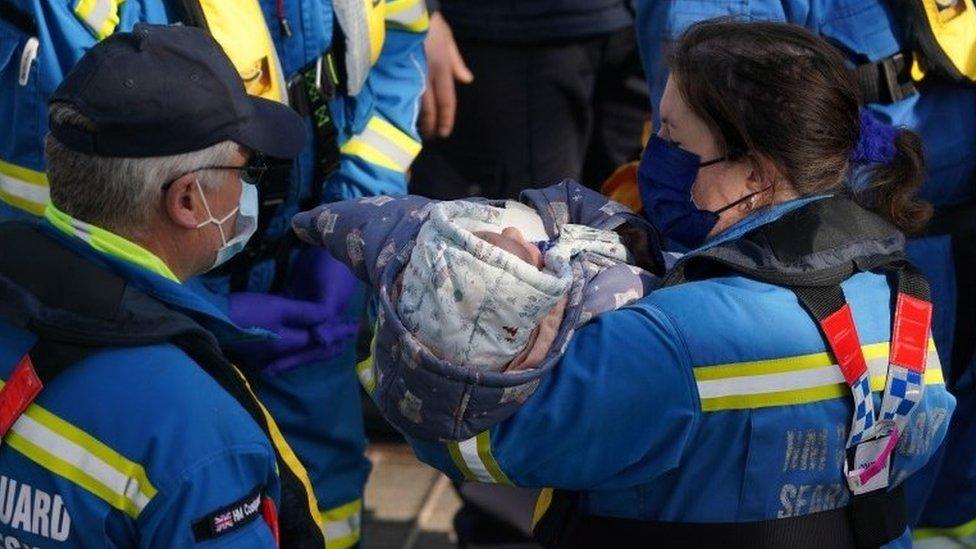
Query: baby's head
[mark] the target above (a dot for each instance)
(475, 289)
(513, 241)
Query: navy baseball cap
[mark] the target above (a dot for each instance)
(169, 89)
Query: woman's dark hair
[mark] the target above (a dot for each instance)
(780, 91)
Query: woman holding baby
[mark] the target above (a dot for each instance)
(780, 387)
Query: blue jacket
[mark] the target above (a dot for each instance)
(690, 406)
(131, 446)
(388, 103)
(943, 114)
(377, 138)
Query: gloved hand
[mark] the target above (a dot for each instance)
(308, 316)
(319, 277)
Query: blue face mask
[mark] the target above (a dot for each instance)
(246, 224)
(664, 178)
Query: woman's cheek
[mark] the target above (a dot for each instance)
(699, 197)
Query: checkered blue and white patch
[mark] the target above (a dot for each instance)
(904, 390)
(863, 421)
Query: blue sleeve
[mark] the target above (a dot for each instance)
(378, 137)
(617, 411)
(211, 487)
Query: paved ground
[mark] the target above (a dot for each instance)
(408, 504)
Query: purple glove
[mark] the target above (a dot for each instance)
(319, 277)
(308, 317)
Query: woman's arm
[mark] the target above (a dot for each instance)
(617, 411)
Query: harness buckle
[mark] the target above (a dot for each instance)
(897, 78)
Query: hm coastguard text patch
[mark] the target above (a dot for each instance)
(229, 518)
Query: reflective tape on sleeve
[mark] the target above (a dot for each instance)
(474, 459)
(410, 15)
(23, 188)
(100, 16)
(73, 454)
(343, 525)
(383, 144)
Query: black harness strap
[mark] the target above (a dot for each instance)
(876, 520)
(886, 81)
(836, 529)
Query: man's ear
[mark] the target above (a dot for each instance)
(183, 204)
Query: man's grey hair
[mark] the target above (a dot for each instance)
(119, 194)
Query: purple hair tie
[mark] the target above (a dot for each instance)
(875, 142)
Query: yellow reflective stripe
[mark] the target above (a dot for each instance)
(957, 533)
(473, 457)
(779, 365)
(542, 504)
(100, 16)
(364, 369)
(455, 451)
(792, 380)
(383, 144)
(69, 452)
(343, 525)
(484, 452)
(410, 15)
(366, 374)
(287, 455)
(108, 242)
(23, 188)
(393, 133)
(343, 542)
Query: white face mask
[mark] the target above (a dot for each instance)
(247, 222)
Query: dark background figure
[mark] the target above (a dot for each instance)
(552, 89)
(549, 89)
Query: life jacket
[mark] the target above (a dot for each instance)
(939, 41)
(240, 29)
(111, 313)
(942, 35)
(811, 251)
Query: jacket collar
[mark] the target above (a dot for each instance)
(166, 289)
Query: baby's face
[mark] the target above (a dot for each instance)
(512, 241)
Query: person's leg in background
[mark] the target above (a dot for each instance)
(621, 107)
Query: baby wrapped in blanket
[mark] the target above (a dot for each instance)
(479, 294)
(477, 298)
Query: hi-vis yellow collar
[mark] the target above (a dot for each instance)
(108, 243)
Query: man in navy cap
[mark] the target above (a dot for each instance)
(122, 422)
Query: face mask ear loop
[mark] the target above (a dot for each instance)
(741, 200)
(713, 161)
(218, 222)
